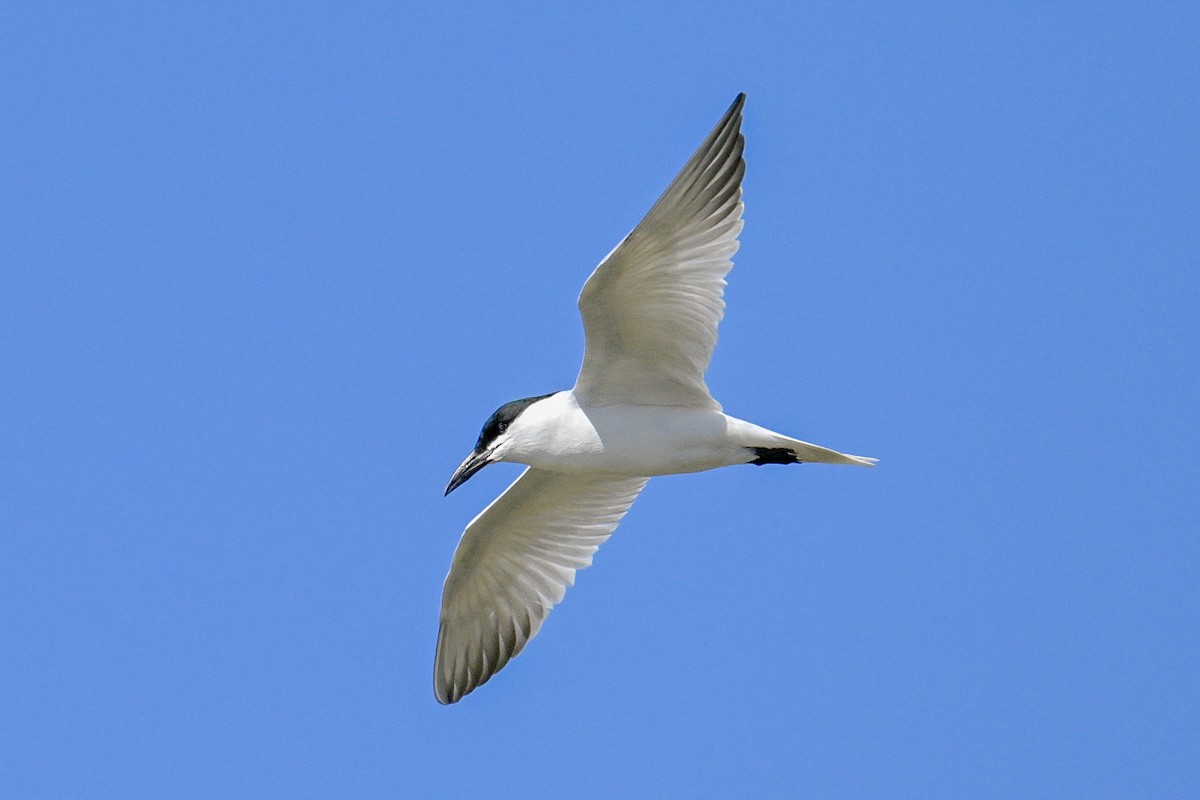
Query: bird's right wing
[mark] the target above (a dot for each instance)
(514, 563)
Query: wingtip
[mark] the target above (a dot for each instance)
(443, 687)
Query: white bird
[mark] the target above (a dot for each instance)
(639, 408)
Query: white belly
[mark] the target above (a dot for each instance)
(630, 440)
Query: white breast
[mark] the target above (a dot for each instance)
(557, 434)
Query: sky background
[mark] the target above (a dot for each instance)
(265, 270)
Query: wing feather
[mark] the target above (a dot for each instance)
(514, 564)
(651, 309)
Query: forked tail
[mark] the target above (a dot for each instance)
(794, 451)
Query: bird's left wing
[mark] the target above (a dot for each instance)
(514, 563)
(650, 310)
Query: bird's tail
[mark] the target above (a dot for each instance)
(823, 455)
(782, 449)
(769, 447)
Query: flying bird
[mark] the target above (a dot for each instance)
(639, 408)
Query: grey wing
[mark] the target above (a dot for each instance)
(650, 310)
(514, 564)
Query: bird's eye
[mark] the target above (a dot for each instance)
(503, 426)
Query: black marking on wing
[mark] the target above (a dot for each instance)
(773, 455)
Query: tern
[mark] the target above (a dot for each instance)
(639, 408)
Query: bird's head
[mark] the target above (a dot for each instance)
(494, 440)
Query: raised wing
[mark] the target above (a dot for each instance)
(514, 563)
(650, 310)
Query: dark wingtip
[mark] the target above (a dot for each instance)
(734, 112)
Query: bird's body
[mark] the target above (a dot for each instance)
(639, 408)
(560, 434)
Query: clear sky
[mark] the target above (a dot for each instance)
(266, 268)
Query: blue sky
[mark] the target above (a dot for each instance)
(264, 271)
